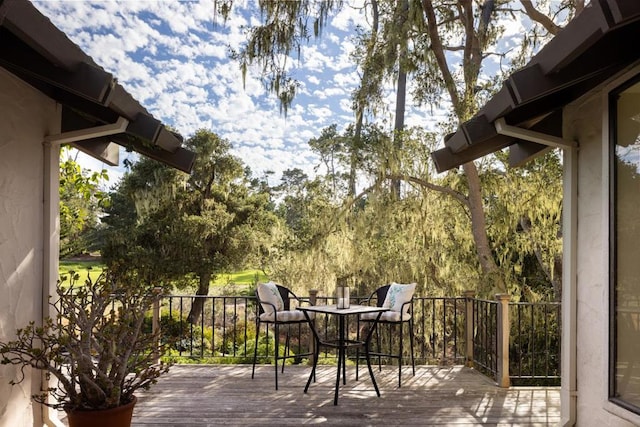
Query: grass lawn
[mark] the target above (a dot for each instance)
(243, 277)
(94, 268)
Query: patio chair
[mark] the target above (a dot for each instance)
(275, 308)
(398, 298)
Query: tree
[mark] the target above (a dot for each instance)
(179, 225)
(441, 45)
(81, 200)
(426, 236)
(137, 221)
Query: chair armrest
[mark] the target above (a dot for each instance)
(300, 300)
(410, 303)
(369, 300)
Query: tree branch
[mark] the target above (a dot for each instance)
(438, 51)
(431, 186)
(541, 18)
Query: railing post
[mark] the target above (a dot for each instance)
(469, 335)
(155, 323)
(313, 295)
(503, 340)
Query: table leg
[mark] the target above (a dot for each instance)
(316, 350)
(312, 375)
(344, 350)
(367, 342)
(373, 379)
(341, 358)
(341, 368)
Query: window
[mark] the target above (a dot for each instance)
(624, 360)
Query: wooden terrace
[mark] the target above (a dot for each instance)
(225, 395)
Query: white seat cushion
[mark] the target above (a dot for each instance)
(284, 316)
(388, 316)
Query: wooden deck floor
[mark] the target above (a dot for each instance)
(225, 395)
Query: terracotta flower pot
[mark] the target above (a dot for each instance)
(114, 417)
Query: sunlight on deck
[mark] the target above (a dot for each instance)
(212, 395)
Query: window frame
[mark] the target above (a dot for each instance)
(613, 170)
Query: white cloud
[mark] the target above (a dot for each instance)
(326, 93)
(172, 57)
(349, 16)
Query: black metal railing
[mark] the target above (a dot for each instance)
(439, 330)
(485, 336)
(448, 331)
(534, 350)
(223, 331)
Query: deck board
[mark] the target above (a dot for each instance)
(225, 395)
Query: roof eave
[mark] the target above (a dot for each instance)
(582, 56)
(33, 49)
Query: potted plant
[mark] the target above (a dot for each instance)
(94, 346)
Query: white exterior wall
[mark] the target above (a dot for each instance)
(587, 122)
(26, 115)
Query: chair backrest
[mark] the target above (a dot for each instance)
(397, 296)
(273, 293)
(285, 294)
(381, 294)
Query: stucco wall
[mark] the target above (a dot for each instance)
(585, 122)
(25, 117)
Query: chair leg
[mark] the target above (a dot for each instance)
(411, 337)
(286, 347)
(400, 358)
(377, 332)
(357, 348)
(255, 350)
(276, 341)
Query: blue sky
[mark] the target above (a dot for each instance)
(172, 57)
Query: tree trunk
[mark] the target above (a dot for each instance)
(198, 303)
(479, 230)
(356, 146)
(401, 94)
(360, 103)
(401, 100)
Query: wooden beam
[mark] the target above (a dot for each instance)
(38, 32)
(472, 132)
(503, 102)
(100, 148)
(531, 83)
(574, 40)
(445, 159)
(180, 159)
(85, 80)
(524, 151)
(168, 140)
(621, 10)
(457, 141)
(555, 100)
(125, 104)
(145, 127)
